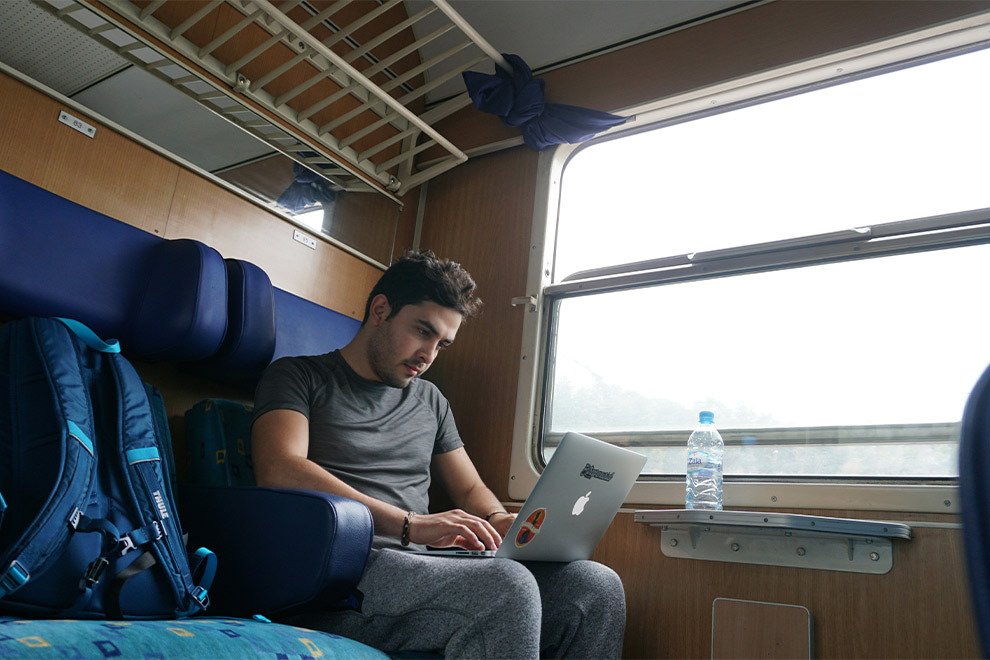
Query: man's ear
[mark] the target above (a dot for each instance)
(380, 309)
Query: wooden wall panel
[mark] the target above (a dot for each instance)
(918, 610)
(480, 214)
(108, 172)
(757, 39)
(239, 230)
(366, 221)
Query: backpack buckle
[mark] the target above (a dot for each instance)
(15, 576)
(200, 595)
(125, 545)
(93, 572)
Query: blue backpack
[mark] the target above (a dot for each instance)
(88, 526)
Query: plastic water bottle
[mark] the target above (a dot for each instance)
(704, 465)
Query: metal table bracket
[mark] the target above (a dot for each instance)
(777, 539)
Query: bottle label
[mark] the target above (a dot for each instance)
(697, 460)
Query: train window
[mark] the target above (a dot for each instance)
(805, 263)
(849, 369)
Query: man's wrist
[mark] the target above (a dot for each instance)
(491, 515)
(406, 527)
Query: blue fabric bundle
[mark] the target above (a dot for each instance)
(307, 189)
(518, 99)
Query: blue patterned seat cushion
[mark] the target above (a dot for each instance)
(191, 639)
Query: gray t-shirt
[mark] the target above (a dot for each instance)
(375, 438)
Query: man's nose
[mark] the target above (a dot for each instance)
(428, 351)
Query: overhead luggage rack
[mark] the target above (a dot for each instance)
(338, 86)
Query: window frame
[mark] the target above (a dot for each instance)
(542, 293)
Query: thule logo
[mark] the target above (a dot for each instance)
(591, 472)
(160, 501)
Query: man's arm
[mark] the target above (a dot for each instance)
(279, 451)
(465, 487)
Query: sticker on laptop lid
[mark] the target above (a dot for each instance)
(531, 527)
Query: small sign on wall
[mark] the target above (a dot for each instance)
(308, 241)
(78, 124)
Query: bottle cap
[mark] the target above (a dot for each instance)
(706, 417)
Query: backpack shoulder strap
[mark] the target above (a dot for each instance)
(50, 346)
(149, 489)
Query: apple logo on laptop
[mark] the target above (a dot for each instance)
(579, 504)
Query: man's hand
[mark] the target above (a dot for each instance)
(454, 528)
(502, 521)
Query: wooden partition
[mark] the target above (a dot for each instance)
(481, 214)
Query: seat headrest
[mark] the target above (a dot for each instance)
(249, 343)
(182, 313)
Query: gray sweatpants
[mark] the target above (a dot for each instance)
(483, 608)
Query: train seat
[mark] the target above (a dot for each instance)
(168, 300)
(974, 492)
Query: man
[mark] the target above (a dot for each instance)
(359, 422)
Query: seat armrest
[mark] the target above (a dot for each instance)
(277, 549)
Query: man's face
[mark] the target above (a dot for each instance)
(404, 346)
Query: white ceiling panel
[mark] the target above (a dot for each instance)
(50, 51)
(546, 32)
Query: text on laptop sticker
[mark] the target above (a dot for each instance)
(531, 527)
(591, 472)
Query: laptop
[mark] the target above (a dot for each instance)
(571, 505)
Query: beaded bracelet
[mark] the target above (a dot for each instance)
(404, 539)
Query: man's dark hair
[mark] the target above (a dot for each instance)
(420, 276)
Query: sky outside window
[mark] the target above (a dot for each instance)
(907, 144)
(882, 341)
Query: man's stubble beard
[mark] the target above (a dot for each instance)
(382, 359)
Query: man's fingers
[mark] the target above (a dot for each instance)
(455, 527)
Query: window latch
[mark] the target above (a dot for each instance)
(529, 301)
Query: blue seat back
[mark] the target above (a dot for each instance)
(974, 492)
(305, 328)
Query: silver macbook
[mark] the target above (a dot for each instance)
(571, 506)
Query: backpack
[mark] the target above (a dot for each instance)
(218, 441)
(88, 525)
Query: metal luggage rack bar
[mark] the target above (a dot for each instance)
(371, 143)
